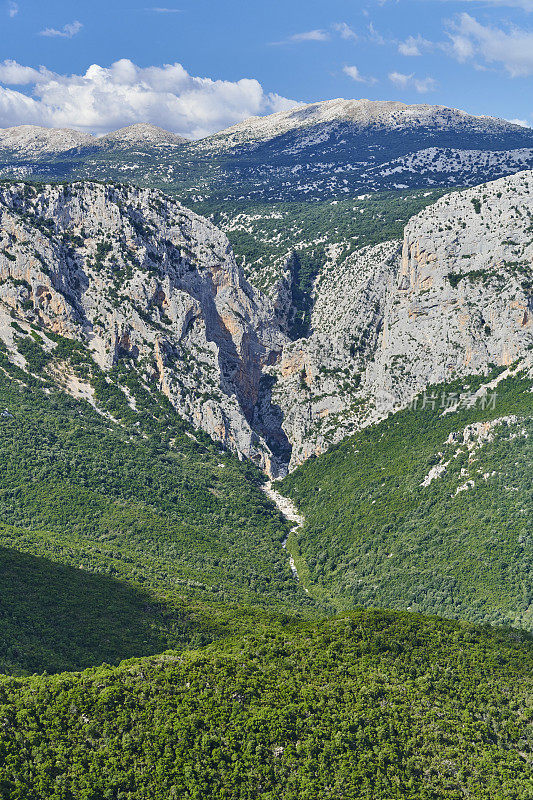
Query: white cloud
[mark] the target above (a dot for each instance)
(12, 8)
(409, 47)
(159, 10)
(67, 31)
(317, 35)
(310, 36)
(374, 36)
(423, 85)
(104, 99)
(345, 31)
(354, 73)
(321, 35)
(414, 46)
(523, 122)
(399, 79)
(513, 48)
(403, 81)
(16, 75)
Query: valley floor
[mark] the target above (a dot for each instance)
(290, 512)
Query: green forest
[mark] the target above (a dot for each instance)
(460, 546)
(131, 512)
(136, 549)
(370, 705)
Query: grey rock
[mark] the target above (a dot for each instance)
(135, 275)
(452, 299)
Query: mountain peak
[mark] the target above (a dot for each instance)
(142, 133)
(362, 113)
(38, 140)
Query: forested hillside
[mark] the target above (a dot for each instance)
(123, 532)
(431, 509)
(372, 705)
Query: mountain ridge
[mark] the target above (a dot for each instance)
(363, 112)
(319, 151)
(40, 141)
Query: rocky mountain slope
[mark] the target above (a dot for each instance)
(326, 150)
(453, 297)
(27, 141)
(362, 114)
(135, 276)
(443, 166)
(138, 279)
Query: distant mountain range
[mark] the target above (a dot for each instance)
(319, 151)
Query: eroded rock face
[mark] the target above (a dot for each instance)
(453, 298)
(463, 295)
(319, 380)
(135, 275)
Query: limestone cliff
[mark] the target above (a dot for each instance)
(453, 298)
(135, 275)
(137, 278)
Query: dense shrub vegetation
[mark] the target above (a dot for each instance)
(373, 705)
(169, 523)
(459, 546)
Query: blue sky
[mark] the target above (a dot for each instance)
(196, 66)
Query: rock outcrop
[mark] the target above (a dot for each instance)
(133, 274)
(453, 298)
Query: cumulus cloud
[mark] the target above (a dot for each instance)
(15, 74)
(67, 31)
(513, 48)
(354, 73)
(403, 81)
(106, 98)
(12, 8)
